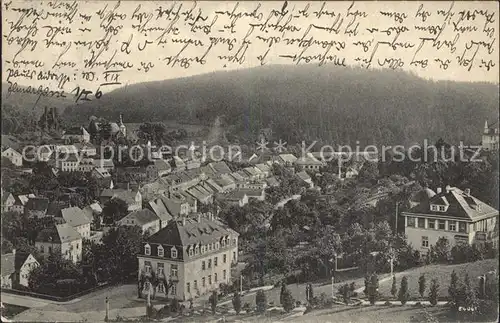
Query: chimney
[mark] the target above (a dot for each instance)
(467, 191)
(199, 217)
(439, 190)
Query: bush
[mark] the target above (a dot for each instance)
(433, 292)
(403, 294)
(261, 301)
(237, 302)
(213, 299)
(247, 308)
(387, 303)
(287, 300)
(372, 291)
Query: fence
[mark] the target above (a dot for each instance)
(54, 298)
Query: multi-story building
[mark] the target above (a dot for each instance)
(195, 254)
(76, 134)
(78, 219)
(450, 213)
(145, 218)
(490, 137)
(12, 155)
(60, 238)
(69, 163)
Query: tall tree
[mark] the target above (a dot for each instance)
(422, 285)
(433, 292)
(403, 294)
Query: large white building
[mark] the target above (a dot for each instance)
(450, 213)
(194, 253)
(490, 137)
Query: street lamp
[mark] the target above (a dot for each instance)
(107, 309)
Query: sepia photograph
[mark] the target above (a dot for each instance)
(246, 161)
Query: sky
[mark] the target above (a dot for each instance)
(57, 39)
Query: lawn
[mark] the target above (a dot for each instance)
(442, 273)
(10, 311)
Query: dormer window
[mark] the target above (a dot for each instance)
(147, 250)
(160, 251)
(438, 208)
(191, 251)
(223, 242)
(196, 250)
(217, 245)
(173, 253)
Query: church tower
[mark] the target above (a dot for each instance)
(123, 129)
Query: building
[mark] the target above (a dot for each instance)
(450, 213)
(133, 198)
(158, 168)
(60, 238)
(237, 197)
(69, 162)
(309, 162)
(86, 165)
(287, 160)
(76, 134)
(305, 178)
(159, 208)
(36, 207)
(78, 219)
(107, 164)
(14, 157)
(13, 203)
(145, 218)
(86, 149)
(178, 204)
(8, 269)
(490, 137)
(24, 264)
(103, 177)
(194, 253)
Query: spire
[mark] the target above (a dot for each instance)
(486, 125)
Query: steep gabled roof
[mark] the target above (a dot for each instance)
(58, 233)
(38, 204)
(142, 217)
(220, 167)
(459, 205)
(190, 233)
(75, 216)
(20, 259)
(160, 210)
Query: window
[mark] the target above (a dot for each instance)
(425, 242)
(50, 249)
(195, 284)
(421, 222)
(224, 258)
(41, 249)
(434, 208)
(173, 290)
(173, 253)
(203, 265)
(234, 242)
(203, 282)
(213, 246)
(215, 277)
(452, 225)
(203, 249)
(147, 250)
(223, 242)
(160, 251)
(173, 270)
(209, 247)
(188, 288)
(161, 269)
(196, 250)
(410, 221)
(224, 274)
(191, 252)
(209, 263)
(217, 245)
(431, 224)
(462, 227)
(147, 267)
(215, 262)
(442, 225)
(210, 279)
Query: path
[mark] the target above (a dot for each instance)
(28, 301)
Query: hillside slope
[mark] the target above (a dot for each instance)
(338, 105)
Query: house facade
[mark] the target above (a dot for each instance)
(12, 155)
(78, 219)
(145, 218)
(450, 213)
(60, 238)
(76, 134)
(24, 264)
(195, 254)
(490, 139)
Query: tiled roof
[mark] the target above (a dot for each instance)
(251, 192)
(263, 168)
(460, 205)
(20, 259)
(160, 210)
(288, 158)
(142, 217)
(224, 180)
(37, 204)
(192, 232)
(75, 216)
(272, 181)
(220, 167)
(58, 233)
(236, 195)
(199, 193)
(303, 176)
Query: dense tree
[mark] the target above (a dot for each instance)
(286, 299)
(373, 289)
(394, 288)
(261, 301)
(422, 285)
(453, 289)
(403, 294)
(114, 210)
(236, 302)
(433, 292)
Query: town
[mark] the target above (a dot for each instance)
(276, 231)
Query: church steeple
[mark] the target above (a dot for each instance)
(486, 126)
(123, 129)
